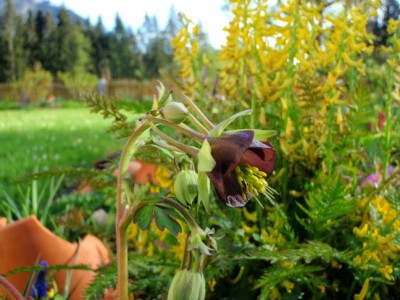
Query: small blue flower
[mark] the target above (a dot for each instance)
(39, 289)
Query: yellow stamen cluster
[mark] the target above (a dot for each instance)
(252, 180)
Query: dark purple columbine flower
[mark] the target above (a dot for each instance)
(242, 166)
(39, 290)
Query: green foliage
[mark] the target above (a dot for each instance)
(35, 84)
(150, 276)
(40, 140)
(326, 203)
(164, 217)
(37, 200)
(79, 83)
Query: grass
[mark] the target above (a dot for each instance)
(41, 139)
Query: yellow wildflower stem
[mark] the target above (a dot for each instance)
(123, 214)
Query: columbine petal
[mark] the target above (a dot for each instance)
(241, 166)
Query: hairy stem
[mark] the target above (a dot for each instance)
(209, 125)
(185, 130)
(123, 212)
(187, 149)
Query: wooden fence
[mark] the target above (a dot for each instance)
(126, 88)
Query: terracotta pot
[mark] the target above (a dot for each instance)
(8, 291)
(22, 242)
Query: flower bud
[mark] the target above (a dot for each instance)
(185, 186)
(175, 112)
(188, 285)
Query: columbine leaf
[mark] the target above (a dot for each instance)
(259, 134)
(206, 161)
(165, 220)
(143, 216)
(217, 130)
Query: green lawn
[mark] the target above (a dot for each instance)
(41, 139)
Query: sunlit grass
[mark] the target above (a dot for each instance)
(37, 140)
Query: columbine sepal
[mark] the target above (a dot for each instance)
(188, 285)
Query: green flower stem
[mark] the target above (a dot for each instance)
(123, 214)
(185, 253)
(185, 130)
(197, 124)
(167, 146)
(187, 149)
(194, 227)
(209, 125)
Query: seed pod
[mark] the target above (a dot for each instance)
(175, 112)
(188, 285)
(185, 186)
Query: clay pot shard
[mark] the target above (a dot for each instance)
(22, 242)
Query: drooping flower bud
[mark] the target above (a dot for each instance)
(188, 285)
(175, 112)
(185, 186)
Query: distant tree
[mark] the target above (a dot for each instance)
(31, 44)
(7, 34)
(157, 51)
(100, 49)
(47, 43)
(124, 51)
(170, 31)
(20, 52)
(72, 46)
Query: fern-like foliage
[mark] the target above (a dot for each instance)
(109, 109)
(304, 253)
(325, 205)
(150, 277)
(304, 260)
(274, 276)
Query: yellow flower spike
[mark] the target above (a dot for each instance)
(287, 265)
(250, 216)
(384, 239)
(248, 229)
(387, 271)
(393, 26)
(362, 204)
(275, 294)
(212, 284)
(396, 225)
(361, 232)
(288, 285)
(339, 119)
(363, 292)
(150, 250)
(196, 29)
(132, 231)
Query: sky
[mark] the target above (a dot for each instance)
(208, 12)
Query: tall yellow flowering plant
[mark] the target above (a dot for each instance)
(314, 72)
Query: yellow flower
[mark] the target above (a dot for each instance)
(361, 232)
(363, 291)
(387, 271)
(288, 285)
